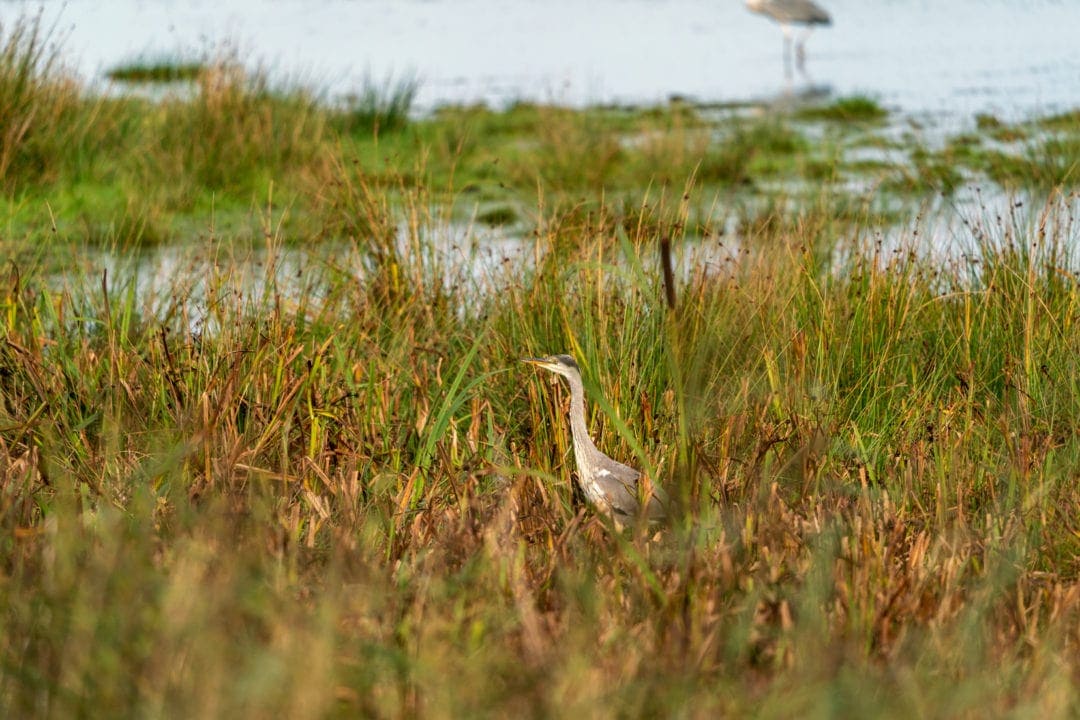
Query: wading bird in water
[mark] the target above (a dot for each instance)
(609, 486)
(789, 13)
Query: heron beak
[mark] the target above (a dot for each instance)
(533, 361)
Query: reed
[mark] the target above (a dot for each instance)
(333, 501)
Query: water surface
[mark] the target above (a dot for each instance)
(943, 58)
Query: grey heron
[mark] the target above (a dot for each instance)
(789, 13)
(609, 486)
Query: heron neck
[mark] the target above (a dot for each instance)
(578, 427)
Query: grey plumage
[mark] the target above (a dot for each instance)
(791, 12)
(609, 486)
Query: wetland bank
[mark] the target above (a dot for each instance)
(300, 471)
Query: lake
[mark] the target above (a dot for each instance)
(938, 59)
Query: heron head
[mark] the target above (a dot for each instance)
(561, 364)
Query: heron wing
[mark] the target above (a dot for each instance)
(803, 12)
(619, 483)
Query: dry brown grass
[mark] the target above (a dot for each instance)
(359, 504)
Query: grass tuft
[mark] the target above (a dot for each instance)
(157, 70)
(378, 109)
(237, 130)
(853, 109)
(41, 118)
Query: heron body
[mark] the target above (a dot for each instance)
(790, 13)
(610, 486)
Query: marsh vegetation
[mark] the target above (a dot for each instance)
(341, 495)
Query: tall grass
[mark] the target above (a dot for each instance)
(340, 503)
(236, 129)
(40, 127)
(376, 108)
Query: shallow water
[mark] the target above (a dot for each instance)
(192, 279)
(946, 59)
(188, 280)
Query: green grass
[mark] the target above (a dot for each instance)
(930, 172)
(998, 130)
(96, 164)
(377, 109)
(1039, 154)
(1046, 163)
(352, 498)
(852, 109)
(44, 122)
(261, 487)
(157, 70)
